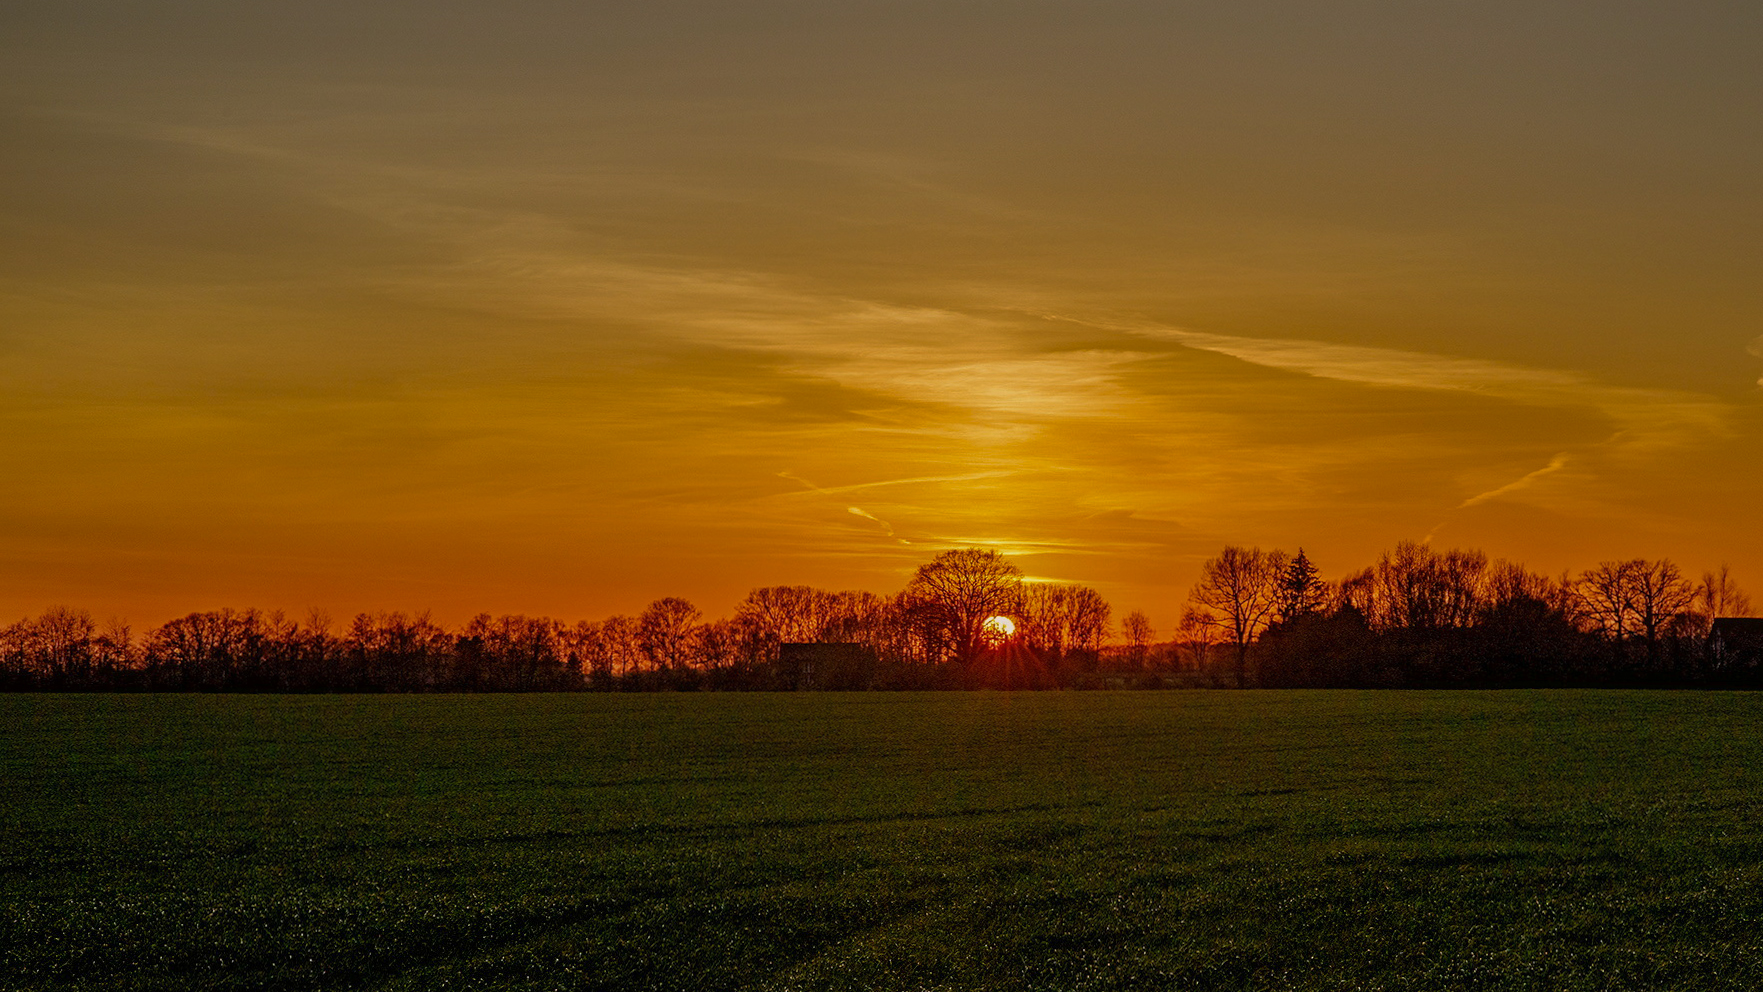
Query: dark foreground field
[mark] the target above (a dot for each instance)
(1312, 840)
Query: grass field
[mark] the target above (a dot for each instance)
(1259, 840)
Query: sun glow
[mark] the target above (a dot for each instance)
(998, 629)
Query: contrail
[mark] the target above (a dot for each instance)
(856, 511)
(1556, 464)
(970, 477)
(865, 514)
(793, 477)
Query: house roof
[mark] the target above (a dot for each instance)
(1739, 632)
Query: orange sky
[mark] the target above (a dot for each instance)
(558, 308)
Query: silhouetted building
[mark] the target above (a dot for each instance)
(836, 667)
(1736, 642)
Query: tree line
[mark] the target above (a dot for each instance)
(1417, 617)
(932, 634)
(1422, 617)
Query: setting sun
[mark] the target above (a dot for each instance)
(999, 629)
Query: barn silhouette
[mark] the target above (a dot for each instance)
(839, 666)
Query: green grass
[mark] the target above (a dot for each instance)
(1265, 840)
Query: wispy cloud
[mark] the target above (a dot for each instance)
(1644, 417)
(959, 421)
(1640, 409)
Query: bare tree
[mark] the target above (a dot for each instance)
(1603, 598)
(406, 652)
(959, 590)
(521, 653)
(198, 650)
(57, 646)
(910, 630)
(1659, 596)
(1716, 596)
(788, 614)
(1086, 620)
(665, 632)
(619, 645)
(1136, 628)
(114, 648)
(1041, 623)
(1358, 592)
(1414, 587)
(66, 637)
(1720, 596)
(1462, 577)
(1508, 582)
(855, 617)
(317, 651)
(1195, 635)
(725, 645)
(1239, 591)
(576, 644)
(1626, 599)
(1060, 621)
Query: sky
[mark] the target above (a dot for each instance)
(559, 307)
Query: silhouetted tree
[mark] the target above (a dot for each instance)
(1062, 623)
(1301, 589)
(1195, 634)
(407, 653)
(1719, 595)
(1238, 592)
(958, 590)
(855, 617)
(517, 653)
(198, 650)
(729, 647)
(113, 653)
(1506, 582)
(609, 648)
(65, 636)
(1603, 597)
(787, 614)
(1661, 597)
(1623, 600)
(1136, 628)
(1525, 637)
(1321, 650)
(1417, 588)
(665, 632)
